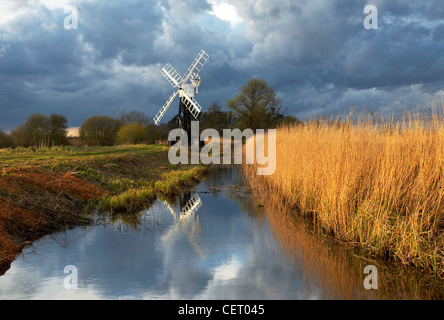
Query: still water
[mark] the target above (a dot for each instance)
(214, 242)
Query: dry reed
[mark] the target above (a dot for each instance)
(378, 183)
(333, 270)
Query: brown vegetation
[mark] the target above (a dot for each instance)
(335, 268)
(376, 184)
(34, 202)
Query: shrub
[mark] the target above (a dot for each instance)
(132, 133)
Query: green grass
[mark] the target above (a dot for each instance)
(172, 181)
(130, 200)
(132, 175)
(134, 199)
(20, 155)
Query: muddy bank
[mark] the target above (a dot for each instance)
(34, 203)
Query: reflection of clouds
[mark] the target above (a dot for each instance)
(115, 264)
(165, 264)
(187, 222)
(249, 275)
(247, 255)
(183, 250)
(228, 270)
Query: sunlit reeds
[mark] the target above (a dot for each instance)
(331, 269)
(378, 183)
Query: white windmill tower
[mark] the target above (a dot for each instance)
(187, 88)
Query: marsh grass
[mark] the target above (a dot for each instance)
(130, 175)
(16, 156)
(134, 199)
(377, 183)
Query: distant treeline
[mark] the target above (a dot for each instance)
(256, 106)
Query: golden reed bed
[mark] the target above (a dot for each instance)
(374, 182)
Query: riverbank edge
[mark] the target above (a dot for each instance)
(42, 196)
(260, 186)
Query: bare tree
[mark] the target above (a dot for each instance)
(40, 130)
(5, 140)
(135, 116)
(99, 130)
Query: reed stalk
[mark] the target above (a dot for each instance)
(375, 182)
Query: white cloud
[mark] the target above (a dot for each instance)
(228, 270)
(226, 12)
(10, 9)
(56, 4)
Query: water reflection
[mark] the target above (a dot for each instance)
(334, 268)
(186, 220)
(213, 242)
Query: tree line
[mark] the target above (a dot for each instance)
(255, 106)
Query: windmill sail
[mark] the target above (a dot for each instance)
(172, 75)
(197, 65)
(191, 104)
(164, 108)
(192, 205)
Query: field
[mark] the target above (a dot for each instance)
(45, 190)
(375, 184)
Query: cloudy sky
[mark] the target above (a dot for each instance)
(316, 54)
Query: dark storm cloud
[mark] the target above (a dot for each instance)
(322, 48)
(316, 54)
(115, 28)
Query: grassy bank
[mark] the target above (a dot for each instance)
(373, 184)
(137, 195)
(45, 190)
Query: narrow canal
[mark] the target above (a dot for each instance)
(215, 241)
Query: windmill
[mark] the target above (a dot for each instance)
(187, 89)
